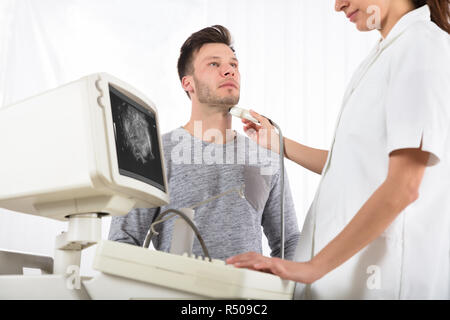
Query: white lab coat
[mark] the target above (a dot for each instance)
(398, 98)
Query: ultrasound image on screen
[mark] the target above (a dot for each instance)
(137, 141)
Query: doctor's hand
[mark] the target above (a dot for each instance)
(265, 134)
(303, 272)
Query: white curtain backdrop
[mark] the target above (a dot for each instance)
(296, 57)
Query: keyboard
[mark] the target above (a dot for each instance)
(196, 275)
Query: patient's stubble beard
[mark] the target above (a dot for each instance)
(206, 96)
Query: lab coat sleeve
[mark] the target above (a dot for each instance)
(418, 100)
(133, 227)
(271, 219)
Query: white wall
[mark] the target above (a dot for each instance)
(296, 57)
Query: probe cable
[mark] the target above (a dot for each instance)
(281, 160)
(159, 219)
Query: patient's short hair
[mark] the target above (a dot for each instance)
(214, 34)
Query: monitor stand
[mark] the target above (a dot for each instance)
(57, 278)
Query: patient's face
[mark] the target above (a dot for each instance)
(216, 78)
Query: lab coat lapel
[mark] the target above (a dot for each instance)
(356, 79)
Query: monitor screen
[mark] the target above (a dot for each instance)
(137, 141)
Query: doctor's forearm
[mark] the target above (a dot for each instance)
(373, 218)
(309, 158)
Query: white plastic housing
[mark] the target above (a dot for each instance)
(165, 271)
(243, 114)
(182, 234)
(59, 153)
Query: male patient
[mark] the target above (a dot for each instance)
(205, 158)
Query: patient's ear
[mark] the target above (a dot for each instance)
(187, 82)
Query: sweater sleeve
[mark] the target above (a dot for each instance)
(271, 219)
(133, 227)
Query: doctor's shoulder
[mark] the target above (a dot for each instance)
(422, 47)
(425, 40)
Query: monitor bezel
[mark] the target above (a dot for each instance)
(131, 186)
(149, 112)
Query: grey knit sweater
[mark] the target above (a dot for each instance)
(230, 225)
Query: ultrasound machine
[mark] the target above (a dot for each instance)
(89, 149)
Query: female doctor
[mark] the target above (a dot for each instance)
(379, 225)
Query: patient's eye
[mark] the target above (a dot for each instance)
(214, 64)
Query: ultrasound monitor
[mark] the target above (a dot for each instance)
(136, 139)
(92, 145)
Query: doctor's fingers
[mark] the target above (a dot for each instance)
(262, 120)
(251, 260)
(250, 125)
(251, 133)
(243, 257)
(263, 264)
(271, 265)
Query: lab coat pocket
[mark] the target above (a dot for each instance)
(257, 188)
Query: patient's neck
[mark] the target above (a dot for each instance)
(210, 124)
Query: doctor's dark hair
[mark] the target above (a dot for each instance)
(440, 12)
(214, 34)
